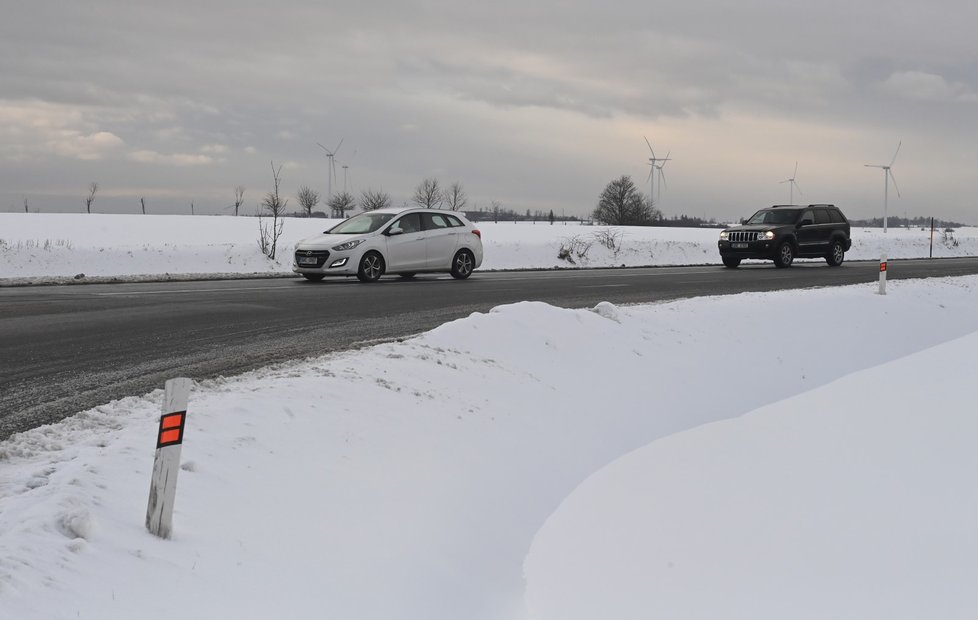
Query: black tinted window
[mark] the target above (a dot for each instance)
(822, 216)
(774, 216)
(835, 216)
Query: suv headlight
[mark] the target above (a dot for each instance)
(724, 236)
(349, 245)
(766, 236)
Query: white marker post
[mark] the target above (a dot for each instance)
(169, 440)
(883, 274)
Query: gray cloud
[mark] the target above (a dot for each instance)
(535, 104)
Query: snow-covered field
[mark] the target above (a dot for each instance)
(42, 246)
(804, 454)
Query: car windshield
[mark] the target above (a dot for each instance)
(360, 224)
(774, 216)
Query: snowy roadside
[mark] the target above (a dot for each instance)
(409, 480)
(40, 248)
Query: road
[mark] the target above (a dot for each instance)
(67, 348)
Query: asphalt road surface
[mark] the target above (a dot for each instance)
(64, 349)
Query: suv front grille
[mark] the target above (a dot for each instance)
(740, 235)
(320, 257)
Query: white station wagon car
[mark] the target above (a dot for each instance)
(401, 241)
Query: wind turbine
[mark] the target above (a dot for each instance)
(662, 175)
(792, 185)
(345, 167)
(652, 162)
(887, 176)
(331, 172)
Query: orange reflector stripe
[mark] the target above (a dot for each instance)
(172, 420)
(171, 436)
(171, 429)
(882, 266)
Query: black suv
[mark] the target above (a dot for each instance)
(785, 231)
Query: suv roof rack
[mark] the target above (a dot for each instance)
(821, 204)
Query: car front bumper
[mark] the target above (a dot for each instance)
(747, 249)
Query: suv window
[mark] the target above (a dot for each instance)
(822, 216)
(835, 216)
(774, 216)
(806, 215)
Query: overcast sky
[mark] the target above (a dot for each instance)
(537, 105)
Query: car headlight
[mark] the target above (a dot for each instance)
(766, 236)
(724, 236)
(349, 245)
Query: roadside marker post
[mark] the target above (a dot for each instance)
(169, 440)
(883, 274)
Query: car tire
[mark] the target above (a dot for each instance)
(836, 254)
(314, 277)
(784, 255)
(462, 264)
(730, 261)
(371, 267)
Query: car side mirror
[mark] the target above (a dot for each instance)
(394, 231)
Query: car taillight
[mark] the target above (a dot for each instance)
(475, 231)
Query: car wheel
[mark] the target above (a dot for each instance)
(836, 255)
(371, 267)
(313, 277)
(463, 264)
(731, 261)
(784, 255)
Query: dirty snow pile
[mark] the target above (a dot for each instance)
(53, 246)
(805, 454)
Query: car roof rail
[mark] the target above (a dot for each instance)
(821, 204)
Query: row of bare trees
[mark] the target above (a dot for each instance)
(429, 194)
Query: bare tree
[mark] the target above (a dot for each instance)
(308, 199)
(191, 207)
(238, 198)
(455, 197)
(92, 188)
(496, 208)
(621, 204)
(26, 210)
(142, 203)
(340, 203)
(274, 205)
(371, 200)
(428, 194)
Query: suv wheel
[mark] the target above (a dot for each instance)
(730, 261)
(836, 254)
(784, 255)
(371, 267)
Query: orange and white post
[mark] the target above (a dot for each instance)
(169, 440)
(883, 274)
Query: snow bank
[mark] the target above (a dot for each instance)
(409, 480)
(53, 245)
(853, 500)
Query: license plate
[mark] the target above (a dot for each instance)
(307, 260)
(739, 246)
